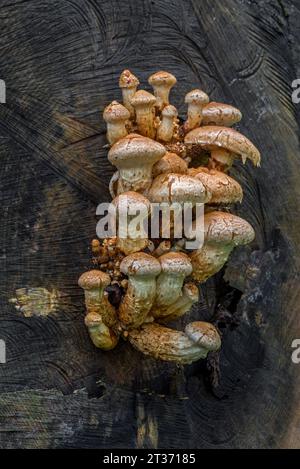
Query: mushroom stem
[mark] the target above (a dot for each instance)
(162, 248)
(162, 82)
(116, 116)
(221, 160)
(143, 103)
(167, 344)
(209, 260)
(128, 83)
(190, 295)
(165, 129)
(196, 100)
(102, 336)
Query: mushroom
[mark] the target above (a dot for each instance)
(165, 129)
(162, 248)
(134, 157)
(142, 270)
(96, 300)
(222, 233)
(175, 266)
(143, 103)
(167, 344)
(102, 336)
(131, 238)
(196, 100)
(170, 163)
(116, 116)
(162, 82)
(220, 114)
(128, 83)
(223, 188)
(225, 144)
(190, 295)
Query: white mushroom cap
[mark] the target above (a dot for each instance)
(180, 188)
(204, 334)
(215, 137)
(196, 97)
(135, 148)
(220, 114)
(128, 80)
(162, 78)
(170, 163)
(226, 228)
(223, 188)
(115, 112)
(94, 279)
(176, 263)
(142, 98)
(140, 264)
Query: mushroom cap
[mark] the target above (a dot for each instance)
(176, 263)
(135, 148)
(131, 199)
(170, 163)
(115, 112)
(212, 137)
(223, 188)
(162, 78)
(196, 97)
(180, 188)
(140, 264)
(169, 111)
(204, 334)
(220, 114)
(128, 80)
(190, 290)
(226, 228)
(94, 279)
(142, 98)
(93, 319)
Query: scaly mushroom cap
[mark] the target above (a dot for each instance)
(135, 148)
(216, 137)
(204, 334)
(169, 111)
(128, 80)
(220, 114)
(223, 188)
(131, 199)
(115, 112)
(176, 263)
(140, 264)
(162, 78)
(170, 163)
(196, 97)
(142, 98)
(94, 279)
(226, 228)
(180, 188)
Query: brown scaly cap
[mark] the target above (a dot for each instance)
(170, 163)
(140, 264)
(176, 263)
(115, 112)
(226, 228)
(196, 97)
(135, 147)
(223, 188)
(178, 188)
(142, 98)
(214, 137)
(94, 279)
(204, 334)
(220, 114)
(162, 78)
(128, 80)
(131, 198)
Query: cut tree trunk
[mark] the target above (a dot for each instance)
(61, 62)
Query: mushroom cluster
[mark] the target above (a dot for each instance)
(139, 284)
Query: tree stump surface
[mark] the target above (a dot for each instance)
(61, 62)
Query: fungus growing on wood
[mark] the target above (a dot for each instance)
(143, 103)
(128, 84)
(196, 100)
(162, 82)
(170, 163)
(116, 116)
(220, 114)
(166, 127)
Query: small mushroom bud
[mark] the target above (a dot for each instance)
(131, 206)
(162, 248)
(134, 156)
(128, 83)
(225, 145)
(220, 114)
(170, 163)
(175, 266)
(167, 344)
(190, 295)
(196, 100)
(223, 188)
(165, 129)
(116, 116)
(143, 103)
(222, 233)
(162, 82)
(102, 336)
(142, 270)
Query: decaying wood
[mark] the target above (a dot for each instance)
(61, 62)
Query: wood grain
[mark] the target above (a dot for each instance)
(61, 62)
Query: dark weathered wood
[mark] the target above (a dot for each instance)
(61, 62)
